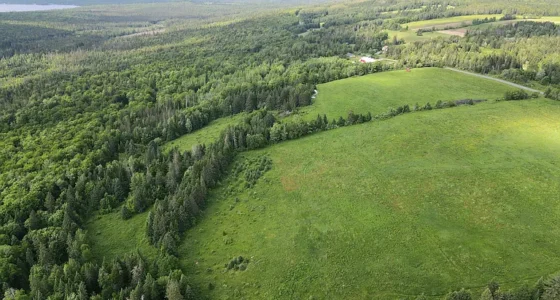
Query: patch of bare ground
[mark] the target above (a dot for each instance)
(458, 32)
(143, 33)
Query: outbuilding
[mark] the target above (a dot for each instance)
(366, 59)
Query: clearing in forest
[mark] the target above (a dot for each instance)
(111, 236)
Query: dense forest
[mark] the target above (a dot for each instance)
(85, 108)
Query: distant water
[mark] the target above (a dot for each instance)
(31, 7)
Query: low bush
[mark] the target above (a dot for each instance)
(516, 95)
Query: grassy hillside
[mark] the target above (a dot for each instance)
(425, 202)
(314, 200)
(112, 236)
(376, 93)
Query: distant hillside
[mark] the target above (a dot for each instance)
(100, 2)
(83, 2)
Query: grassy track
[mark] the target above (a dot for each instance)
(425, 202)
(515, 85)
(376, 93)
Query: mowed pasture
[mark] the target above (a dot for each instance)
(426, 202)
(376, 93)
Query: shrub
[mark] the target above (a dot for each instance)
(125, 212)
(255, 141)
(553, 94)
(230, 265)
(340, 122)
(552, 289)
(237, 263)
(516, 95)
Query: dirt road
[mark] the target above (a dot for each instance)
(496, 79)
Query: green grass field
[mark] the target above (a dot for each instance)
(297, 222)
(376, 93)
(426, 202)
(111, 236)
(452, 21)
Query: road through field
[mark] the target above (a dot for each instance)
(496, 79)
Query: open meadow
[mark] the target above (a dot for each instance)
(376, 93)
(422, 203)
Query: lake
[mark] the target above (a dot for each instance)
(31, 7)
